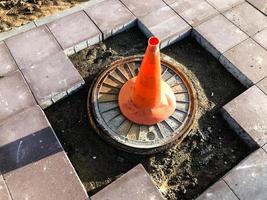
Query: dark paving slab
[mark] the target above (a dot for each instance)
(224, 5)
(194, 11)
(263, 85)
(218, 42)
(135, 185)
(165, 24)
(25, 138)
(75, 31)
(14, 95)
(248, 180)
(4, 194)
(261, 38)
(247, 115)
(52, 178)
(218, 191)
(247, 62)
(32, 46)
(247, 18)
(259, 4)
(7, 63)
(115, 18)
(52, 79)
(141, 8)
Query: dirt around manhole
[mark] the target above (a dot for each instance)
(14, 13)
(185, 170)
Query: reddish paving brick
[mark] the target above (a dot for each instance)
(4, 194)
(218, 191)
(165, 24)
(247, 115)
(261, 38)
(248, 179)
(115, 18)
(32, 46)
(141, 8)
(247, 62)
(259, 4)
(224, 5)
(51, 79)
(263, 85)
(135, 184)
(194, 11)
(218, 42)
(50, 178)
(7, 63)
(247, 18)
(14, 96)
(75, 31)
(25, 138)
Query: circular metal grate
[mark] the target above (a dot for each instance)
(108, 121)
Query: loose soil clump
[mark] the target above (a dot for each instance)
(185, 170)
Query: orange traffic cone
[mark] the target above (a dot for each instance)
(147, 99)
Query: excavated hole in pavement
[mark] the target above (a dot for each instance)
(182, 172)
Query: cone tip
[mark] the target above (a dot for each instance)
(153, 41)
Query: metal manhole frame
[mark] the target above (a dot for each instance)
(103, 133)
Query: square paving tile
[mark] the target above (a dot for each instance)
(263, 85)
(224, 5)
(165, 24)
(25, 138)
(14, 95)
(260, 4)
(75, 30)
(135, 184)
(32, 46)
(141, 8)
(248, 179)
(247, 62)
(52, 79)
(261, 38)
(7, 63)
(4, 194)
(265, 147)
(247, 18)
(218, 191)
(110, 22)
(52, 177)
(218, 42)
(247, 114)
(194, 11)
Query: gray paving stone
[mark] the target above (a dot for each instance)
(115, 18)
(194, 11)
(74, 31)
(32, 46)
(265, 147)
(141, 8)
(14, 96)
(51, 78)
(260, 4)
(165, 24)
(218, 191)
(218, 42)
(248, 179)
(25, 138)
(7, 63)
(15, 31)
(247, 115)
(224, 5)
(52, 177)
(4, 194)
(247, 62)
(135, 184)
(247, 18)
(261, 38)
(263, 85)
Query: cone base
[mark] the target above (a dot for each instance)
(146, 116)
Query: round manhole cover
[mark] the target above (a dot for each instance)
(109, 123)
